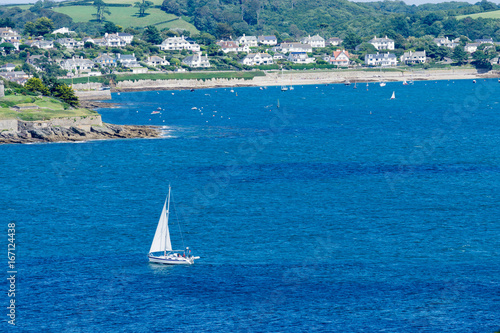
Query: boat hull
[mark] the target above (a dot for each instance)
(171, 260)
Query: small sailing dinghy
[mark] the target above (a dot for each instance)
(161, 249)
(393, 95)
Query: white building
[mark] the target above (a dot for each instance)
(127, 60)
(381, 59)
(77, 64)
(157, 61)
(268, 40)
(256, 59)
(111, 40)
(314, 41)
(295, 47)
(231, 46)
(471, 47)
(126, 37)
(339, 58)
(105, 60)
(250, 41)
(413, 57)
(197, 60)
(382, 43)
(300, 58)
(41, 44)
(335, 41)
(69, 43)
(444, 41)
(178, 43)
(64, 31)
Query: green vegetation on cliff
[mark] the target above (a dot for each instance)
(48, 108)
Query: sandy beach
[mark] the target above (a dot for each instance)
(277, 78)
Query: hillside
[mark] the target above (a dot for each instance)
(487, 15)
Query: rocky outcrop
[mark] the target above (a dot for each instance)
(62, 134)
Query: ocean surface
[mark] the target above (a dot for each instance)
(338, 211)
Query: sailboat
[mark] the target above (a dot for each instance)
(405, 83)
(283, 88)
(382, 83)
(393, 95)
(161, 249)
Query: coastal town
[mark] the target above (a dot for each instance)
(66, 54)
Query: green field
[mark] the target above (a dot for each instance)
(49, 108)
(171, 76)
(23, 7)
(127, 17)
(494, 15)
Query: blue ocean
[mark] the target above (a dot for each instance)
(319, 209)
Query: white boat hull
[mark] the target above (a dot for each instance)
(172, 260)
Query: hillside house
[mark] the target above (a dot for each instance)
(105, 60)
(178, 43)
(300, 58)
(381, 59)
(64, 31)
(256, 59)
(157, 61)
(197, 60)
(335, 41)
(444, 41)
(382, 43)
(268, 40)
(232, 46)
(413, 57)
(127, 60)
(69, 43)
(314, 41)
(339, 58)
(294, 47)
(471, 47)
(78, 65)
(250, 41)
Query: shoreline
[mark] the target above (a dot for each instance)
(309, 77)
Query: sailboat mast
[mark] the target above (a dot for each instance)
(167, 213)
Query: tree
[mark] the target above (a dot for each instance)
(482, 59)
(44, 26)
(223, 30)
(152, 35)
(66, 94)
(102, 9)
(7, 47)
(351, 41)
(143, 6)
(111, 28)
(7, 22)
(459, 55)
(36, 85)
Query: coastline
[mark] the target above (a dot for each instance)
(76, 134)
(276, 78)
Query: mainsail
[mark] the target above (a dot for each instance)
(161, 241)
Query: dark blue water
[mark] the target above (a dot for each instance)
(339, 211)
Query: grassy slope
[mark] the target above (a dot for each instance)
(50, 108)
(127, 17)
(171, 76)
(494, 15)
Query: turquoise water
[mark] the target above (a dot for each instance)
(341, 210)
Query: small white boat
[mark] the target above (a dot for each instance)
(382, 84)
(193, 108)
(155, 112)
(284, 88)
(161, 249)
(405, 83)
(291, 88)
(393, 95)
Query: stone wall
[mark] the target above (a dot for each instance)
(80, 122)
(2, 89)
(191, 83)
(8, 125)
(87, 86)
(93, 95)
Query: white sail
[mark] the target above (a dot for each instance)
(161, 241)
(393, 95)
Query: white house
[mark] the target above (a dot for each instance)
(197, 60)
(279, 56)
(231, 46)
(157, 61)
(335, 41)
(382, 43)
(64, 31)
(256, 59)
(300, 58)
(250, 41)
(295, 47)
(444, 41)
(105, 60)
(413, 57)
(127, 60)
(381, 59)
(471, 47)
(77, 64)
(339, 58)
(178, 43)
(41, 44)
(314, 41)
(7, 68)
(69, 43)
(268, 40)
(126, 37)
(111, 40)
